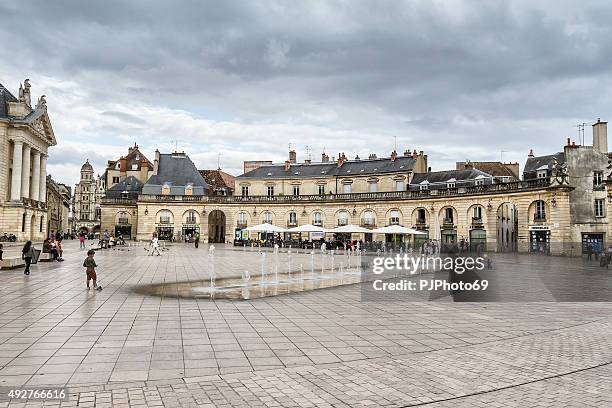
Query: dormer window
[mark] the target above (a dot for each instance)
(134, 166)
(424, 185)
(166, 189)
(188, 190)
(451, 183)
(542, 174)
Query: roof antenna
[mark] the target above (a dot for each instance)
(218, 161)
(395, 143)
(501, 155)
(308, 152)
(580, 127)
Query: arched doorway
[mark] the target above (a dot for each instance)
(507, 228)
(216, 226)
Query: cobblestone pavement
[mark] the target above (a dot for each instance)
(321, 348)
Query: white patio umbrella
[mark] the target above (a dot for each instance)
(348, 229)
(306, 228)
(265, 227)
(397, 230)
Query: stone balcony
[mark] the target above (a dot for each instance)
(486, 189)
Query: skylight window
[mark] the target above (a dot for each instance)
(269, 174)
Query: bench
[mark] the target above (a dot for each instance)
(9, 263)
(45, 257)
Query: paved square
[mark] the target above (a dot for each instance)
(118, 347)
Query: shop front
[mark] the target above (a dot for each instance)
(478, 239)
(539, 239)
(164, 232)
(449, 236)
(188, 231)
(594, 240)
(124, 231)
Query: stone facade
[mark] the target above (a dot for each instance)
(58, 206)
(25, 137)
(133, 164)
(88, 194)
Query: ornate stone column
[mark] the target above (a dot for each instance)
(16, 175)
(25, 171)
(42, 193)
(35, 187)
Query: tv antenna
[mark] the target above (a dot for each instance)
(308, 152)
(580, 127)
(218, 161)
(394, 143)
(501, 155)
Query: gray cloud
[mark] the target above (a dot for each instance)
(452, 78)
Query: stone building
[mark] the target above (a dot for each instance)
(134, 164)
(58, 206)
(585, 168)
(88, 194)
(558, 206)
(25, 137)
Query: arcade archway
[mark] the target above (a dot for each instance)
(216, 226)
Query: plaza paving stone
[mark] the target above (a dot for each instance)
(327, 347)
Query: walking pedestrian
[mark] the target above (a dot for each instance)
(155, 245)
(90, 264)
(82, 240)
(27, 254)
(196, 238)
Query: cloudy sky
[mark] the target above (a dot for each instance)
(457, 79)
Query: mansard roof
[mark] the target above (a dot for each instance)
(131, 185)
(349, 168)
(449, 176)
(534, 164)
(177, 169)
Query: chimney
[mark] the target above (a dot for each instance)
(393, 155)
(468, 165)
(287, 165)
(372, 156)
(156, 162)
(420, 164)
(324, 158)
(600, 136)
(122, 164)
(357, 157)
(307, 161)
(292, 156)
(341, 159)
(407, 152)
(530, 153)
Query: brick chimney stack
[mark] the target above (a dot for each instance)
(324, 158)
(341, 159)
(287, 165)
(406, 152)
(393, 155)
(292, 156)
(372, 156)
(530, 153)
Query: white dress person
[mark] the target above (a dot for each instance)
(155, 246)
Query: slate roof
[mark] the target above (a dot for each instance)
(5, 97)
(178, 170)
(131, 184)
(494, 168)
(534, 163)
(444, 176)
(349, 168)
